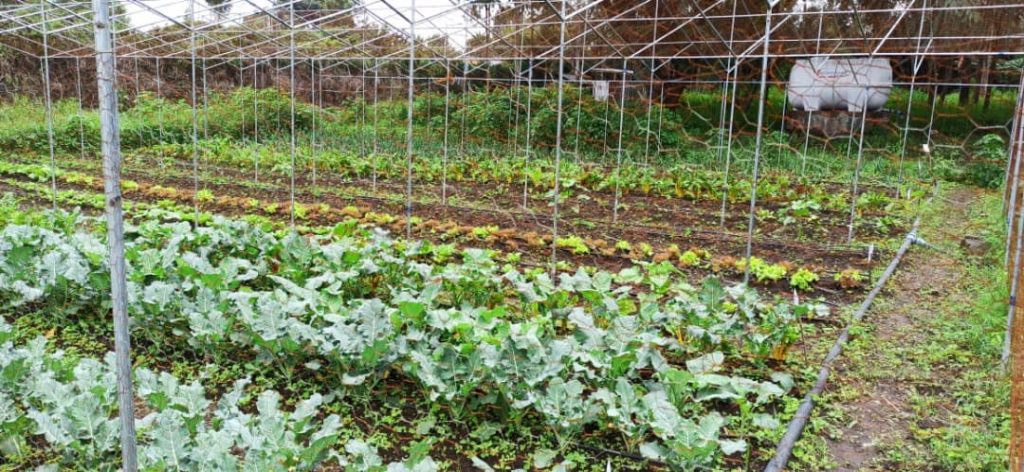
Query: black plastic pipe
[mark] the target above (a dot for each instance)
(803, 414)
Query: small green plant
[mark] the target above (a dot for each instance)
(444, 252)
(301, 211)
(483, 232)
(689, 258)
(78, 178)
(574, 244)
(205, 196)
(799, 209)
(849, 278)
(803, 278)
(624, 246)
(761, 270)
(873, 201)
(645, 249)
(379, 218)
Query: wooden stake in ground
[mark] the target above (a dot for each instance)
(1016, 321)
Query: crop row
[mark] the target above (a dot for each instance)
(682, 197)
(639, 351)
(584, 215)
(535, 173)
(71, 404)
(449, 233)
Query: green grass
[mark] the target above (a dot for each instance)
(967, 342)
(945, 354)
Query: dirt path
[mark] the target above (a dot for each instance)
(884, 371)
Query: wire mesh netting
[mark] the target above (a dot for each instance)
(781, 144)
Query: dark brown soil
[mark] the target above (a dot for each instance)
(587, 208)
(685, 227)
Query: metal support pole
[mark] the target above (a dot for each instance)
(529, 125)
(444, 150)
(312, 98)
(1014, 352)
(722, 114)
(255, 123)
(661, 120)
(376, 107)
(291, 100)
(558, 141)
(1011, 157)
(579, 94)
(409, 126)
(810, 113)
(1013, 343)
(856, 172)
(618, 151)
(363, 110)
(242, 134)
(757, 141)
(732, 114)
(650, 85)
(928, 132)
(160, 109)
(195, 111)
(81, 116)
(206, 103)
(389, 79)
(462, 119)
(138, 97)
(1010, 195)
(111, 147)
(1014, 236)
(917, 62)
(48, 99)
(517, 83)
(728, 144)
(782, 132)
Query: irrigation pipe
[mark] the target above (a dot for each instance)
(803, 414)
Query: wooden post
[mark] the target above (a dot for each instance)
(1012, 184)
(1013, 350)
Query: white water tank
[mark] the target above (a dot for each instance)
(849, 84)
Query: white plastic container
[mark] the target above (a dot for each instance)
(847, 84)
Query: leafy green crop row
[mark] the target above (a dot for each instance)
(681, 181)
(601, 350)
(71, 402)
(493, 129)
